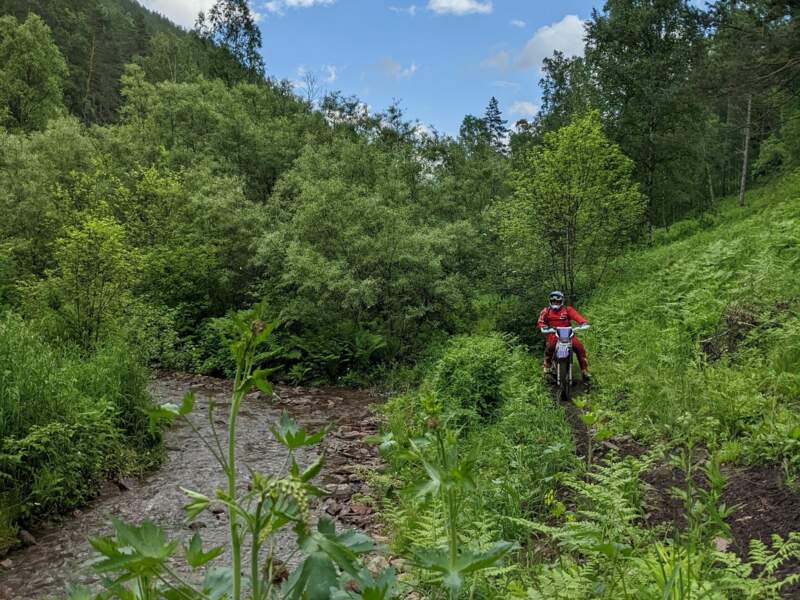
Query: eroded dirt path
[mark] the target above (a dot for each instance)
(59, 557)
(763, 503)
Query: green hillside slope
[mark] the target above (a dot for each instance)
(700, 335)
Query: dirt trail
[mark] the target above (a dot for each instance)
(763, 503)
(59, 557)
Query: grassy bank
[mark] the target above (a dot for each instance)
(699, 336)
(695, 353)
(66, 424)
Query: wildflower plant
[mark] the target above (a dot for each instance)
(138, 561)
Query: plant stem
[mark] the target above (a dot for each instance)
(254, 551)
(235, 541)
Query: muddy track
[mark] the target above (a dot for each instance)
(60, 555)
(763, 503)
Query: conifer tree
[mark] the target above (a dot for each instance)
(496, 126)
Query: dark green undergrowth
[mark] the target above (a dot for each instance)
(704, 329)
(490, 392)
(67, 423)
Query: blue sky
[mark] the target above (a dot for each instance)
(441, 59)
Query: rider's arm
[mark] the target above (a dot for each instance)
(540, 323)
(576, 316)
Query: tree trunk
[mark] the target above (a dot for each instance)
(743, 181)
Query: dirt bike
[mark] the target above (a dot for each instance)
(561, 365)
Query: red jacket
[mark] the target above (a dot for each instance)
(561, 317)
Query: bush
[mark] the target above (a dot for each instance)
(58, 466)
(115, 376)
(468, 378)
(521, 456)
(65, 423)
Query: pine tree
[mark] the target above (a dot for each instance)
(496, 126)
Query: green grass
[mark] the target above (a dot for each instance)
(491, 391)
(66, 423)
(699, 335)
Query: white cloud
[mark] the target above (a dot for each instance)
(500, 61)
(517, 23)
(566, 36)
(459, 7)
(524, 109)
(407, 10)
(326, 73)
(279, 6)
(422, 131)
(330, 73)
(392, 68)
(505, 84)
(182, 12)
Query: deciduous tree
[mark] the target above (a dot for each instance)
(32, 73)
(576, 207)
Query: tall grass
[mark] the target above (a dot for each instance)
(704, 327)
(65, 423)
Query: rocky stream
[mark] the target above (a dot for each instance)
(57, 555)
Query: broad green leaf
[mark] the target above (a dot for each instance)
(313, 469)
(195, 556)
(197, 504)
(291, 436)
(187, 404)
(218, 583)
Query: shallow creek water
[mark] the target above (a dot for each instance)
(60, 555)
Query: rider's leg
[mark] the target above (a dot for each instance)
(580, 351)
(549, 349)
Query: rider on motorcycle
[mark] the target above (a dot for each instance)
(558, 315)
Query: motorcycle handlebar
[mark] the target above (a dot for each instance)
(578, 328)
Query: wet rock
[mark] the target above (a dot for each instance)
(27, 538)
(360, 509)
(399, 564)
(332, 507)
(339, 491)
(377, 564)
(721, 544)
(125, 484)
(62, 553)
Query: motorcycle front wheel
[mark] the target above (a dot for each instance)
(565, 389)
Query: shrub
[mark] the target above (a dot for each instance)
(59, 465)
(521, 456)
(65, 423)
(468, 378)
(114, 375)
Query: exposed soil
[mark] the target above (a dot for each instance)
(59, 556)
(763, 504)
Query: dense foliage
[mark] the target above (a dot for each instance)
(66, 424)
(154, 182)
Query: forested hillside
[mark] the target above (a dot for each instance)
(165, 203)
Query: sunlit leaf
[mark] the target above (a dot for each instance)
(195, 556)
